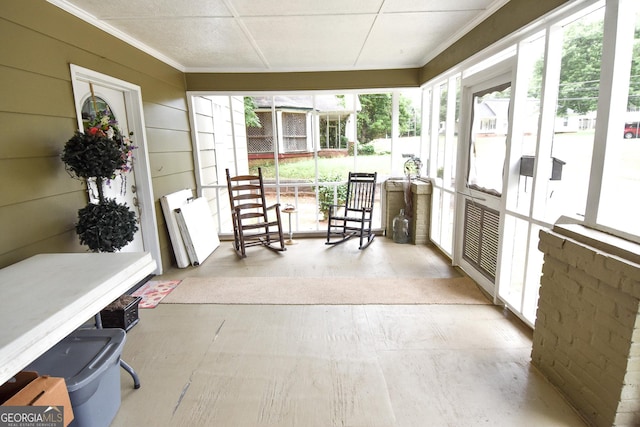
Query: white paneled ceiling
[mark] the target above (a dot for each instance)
(286, 35)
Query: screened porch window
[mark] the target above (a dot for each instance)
(488, 142)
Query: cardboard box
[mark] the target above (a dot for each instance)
(44, 391)
(15, 384)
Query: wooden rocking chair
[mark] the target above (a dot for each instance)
(355, 216)
(252, 226)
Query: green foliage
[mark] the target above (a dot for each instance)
(89, 156)
(374, 119)
(107, 226)
(409, 120)
(334, 137)
(325, 193)
(634, 85)
(363, 150)
(580, 70)
(305, 169)
(250, 117)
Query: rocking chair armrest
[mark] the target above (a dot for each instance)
(359, 209)
(333, 206)
(275, 205)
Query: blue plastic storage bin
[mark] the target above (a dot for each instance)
(89, 361)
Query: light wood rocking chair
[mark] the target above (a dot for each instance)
(355, 216)
(252, 224)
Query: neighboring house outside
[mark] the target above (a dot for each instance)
(494, 119)
(494, 116)
(297, 118)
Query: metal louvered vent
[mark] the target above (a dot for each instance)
(481, 236)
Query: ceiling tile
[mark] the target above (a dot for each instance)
(416, 35)
(319, 42)
(436, 5)
(197, 42)
(286, 35)
(304, 7)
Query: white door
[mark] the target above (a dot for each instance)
(125, 102)
(480, 187)
(122, 188)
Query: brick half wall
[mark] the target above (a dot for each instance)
(586, 339)
(393, 197)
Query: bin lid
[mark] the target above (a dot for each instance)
(82, 356)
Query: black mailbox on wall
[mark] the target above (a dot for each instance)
(527, 163)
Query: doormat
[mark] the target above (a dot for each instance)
(154, 291)
(327, 291)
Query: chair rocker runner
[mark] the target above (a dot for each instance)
(253, 222)
(355, 216)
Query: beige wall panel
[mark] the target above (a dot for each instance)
(48, 19)
(167, 184)
(170, 163)
(207, 158)
(25, 135)
(37, 117)
(206, 141)
(35, 178)
(36, 49)
(30, 226)
(65, 242)
(162, 117)
(210, 176)
(159, 92)
(168, 140)
(160, 219)
(162, 225)
(31, 93)
(203, 106)
(204, 123)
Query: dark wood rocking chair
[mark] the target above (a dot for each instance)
(355, 216)
(252, 224)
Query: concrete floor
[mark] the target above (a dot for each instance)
(340, 365)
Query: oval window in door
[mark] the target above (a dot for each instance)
(89, 110)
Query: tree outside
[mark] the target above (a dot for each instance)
(580, 70)
(374, 120)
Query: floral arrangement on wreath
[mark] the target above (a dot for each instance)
(101, 150)
(104, 124)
